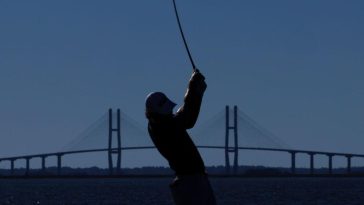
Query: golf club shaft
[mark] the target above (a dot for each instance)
(183, 36)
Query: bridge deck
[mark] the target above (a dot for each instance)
(204, 147)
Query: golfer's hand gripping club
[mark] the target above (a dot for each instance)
(197, 82)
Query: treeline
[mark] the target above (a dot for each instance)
(164, 171)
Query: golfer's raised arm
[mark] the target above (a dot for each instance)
(187, 114)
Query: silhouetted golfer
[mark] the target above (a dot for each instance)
(168, 132)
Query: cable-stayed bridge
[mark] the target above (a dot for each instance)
(231, 130)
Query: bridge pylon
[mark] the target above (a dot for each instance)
(231, 149)
(111, 149)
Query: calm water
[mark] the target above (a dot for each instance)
(150, 191)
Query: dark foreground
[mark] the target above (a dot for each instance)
(155, 191)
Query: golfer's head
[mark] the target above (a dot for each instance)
(158, 103)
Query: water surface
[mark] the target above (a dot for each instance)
(155, 191)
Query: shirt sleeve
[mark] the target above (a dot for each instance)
(187, 114)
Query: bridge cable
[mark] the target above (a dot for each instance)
(183, 36)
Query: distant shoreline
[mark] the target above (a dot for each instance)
(171, 176)
(163, 172)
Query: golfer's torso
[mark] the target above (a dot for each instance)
(174, 143)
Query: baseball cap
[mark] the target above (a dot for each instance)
(158, 102)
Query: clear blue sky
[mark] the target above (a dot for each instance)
(296, 67)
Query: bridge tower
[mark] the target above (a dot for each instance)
(231, 149)
(112, 150)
